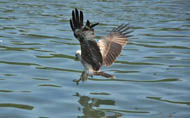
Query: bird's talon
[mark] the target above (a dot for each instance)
(76, 81)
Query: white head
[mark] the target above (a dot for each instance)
(78, 54)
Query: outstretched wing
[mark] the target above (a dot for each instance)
(89, 48)
(112, 44)
(76, 22)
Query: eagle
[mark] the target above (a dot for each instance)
(95, 54)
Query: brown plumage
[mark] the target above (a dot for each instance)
(113, 43)
(105, 51)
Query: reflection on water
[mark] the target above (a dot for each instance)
(37, 63)
(169, 101)
(90, 105)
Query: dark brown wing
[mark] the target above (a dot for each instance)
(112, 44)
(77, 21)
(89, 48)
(91, 54)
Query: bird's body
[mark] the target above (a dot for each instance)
(87, 67)
(95, 54)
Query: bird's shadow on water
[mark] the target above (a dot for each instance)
(90, 107)
(93, 107)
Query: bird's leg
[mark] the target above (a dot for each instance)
(84, 76)
(104, 74)
(77, 81)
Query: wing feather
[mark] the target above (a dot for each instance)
(91, 54)
(76, 22)
(112, 45)
(85, 34)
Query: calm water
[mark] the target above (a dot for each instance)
(37, 65)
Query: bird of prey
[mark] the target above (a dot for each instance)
(95, 54)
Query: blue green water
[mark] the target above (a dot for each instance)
(38, 66)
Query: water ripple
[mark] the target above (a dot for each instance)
(146, 81)
(37, 62)
(169, 101)
(19, 63)
(58, 69)
(18, 106)
(127, 111)
(58, 56)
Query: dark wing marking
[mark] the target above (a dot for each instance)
(91, 54)
(112, 44)
(77, 20)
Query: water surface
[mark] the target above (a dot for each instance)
(37, 63)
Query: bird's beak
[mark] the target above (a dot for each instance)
(76, 57)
